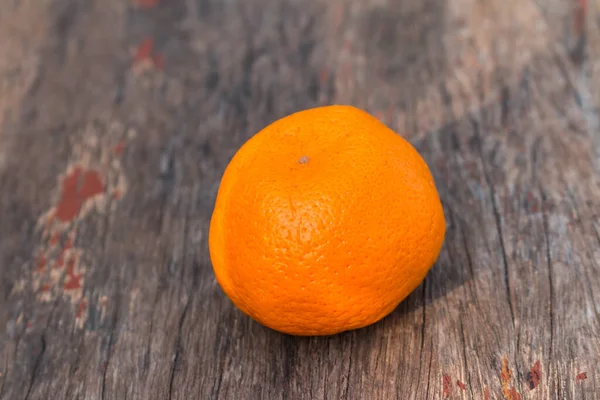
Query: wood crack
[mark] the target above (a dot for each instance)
(549, 263)
(111, 340)
(428, 376)
(550, 274)
(146, 360)
(423, 331)
(75, 366)
(36, 364)
(177, 355)
(38, 360)
(346, 393)
(464, 347)
(106, 364)
(217, 385)
(497, 220)
(585, 270)
(190, 296)
(471, 281)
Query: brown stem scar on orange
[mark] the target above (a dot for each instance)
(303, 160)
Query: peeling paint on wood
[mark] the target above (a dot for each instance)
(91, 184)
(508, 391)
(146, 57)
(78, 186)
(79, 316)
(447, 382)
(580, 16)
(534, 375)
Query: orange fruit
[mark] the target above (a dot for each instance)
(324, 222)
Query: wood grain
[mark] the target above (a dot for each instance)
(118, 118)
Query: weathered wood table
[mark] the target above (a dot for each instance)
(117, 119)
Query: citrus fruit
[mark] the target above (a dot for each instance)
(324, 222)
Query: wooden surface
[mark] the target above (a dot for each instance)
(117, 119)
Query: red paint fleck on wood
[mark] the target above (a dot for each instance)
(582, 376)
(144, 50)
(509, 392)
(45, 288)
(146, 4)
(447, 381)
(534, 375)
(461, 385)
(41, 263)
(514, 395)
(119, 147)
(72, 280)
(29, 324)
(54, 239)
(81, 308)
(159, 61)
(68, 244)
(579, 17)
(77, 187)
(486, 393)
(60, 260)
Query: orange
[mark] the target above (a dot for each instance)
(324, 222)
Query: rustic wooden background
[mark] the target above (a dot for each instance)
(118, 117)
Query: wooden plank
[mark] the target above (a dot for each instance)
(117, 120)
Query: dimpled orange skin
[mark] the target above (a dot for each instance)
(324, 222)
